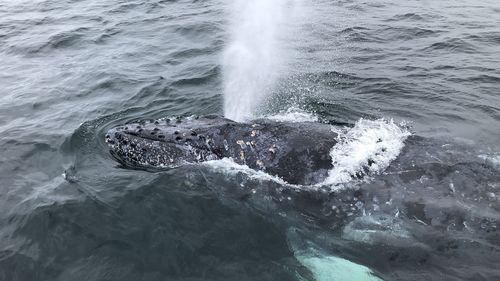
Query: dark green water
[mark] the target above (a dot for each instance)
(70, 70)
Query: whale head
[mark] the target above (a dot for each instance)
(165, 142)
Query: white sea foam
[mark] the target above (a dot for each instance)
(491, 159)
(367, 148)
(293, 114)
(228, 166)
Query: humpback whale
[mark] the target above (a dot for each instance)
(296, 152)
(433, 210)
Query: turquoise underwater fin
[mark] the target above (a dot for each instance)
(326, 267)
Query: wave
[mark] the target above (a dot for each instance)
(366, 149)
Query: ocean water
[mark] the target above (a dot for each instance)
(70, 70)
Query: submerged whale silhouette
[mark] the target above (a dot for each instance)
(296, 152)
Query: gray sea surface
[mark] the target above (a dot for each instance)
(72, 69)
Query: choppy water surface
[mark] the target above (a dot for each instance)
(70, 70)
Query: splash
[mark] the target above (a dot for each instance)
(254, 56)
(228, 166)
(491, 159)
(292, 115)
(366, 149)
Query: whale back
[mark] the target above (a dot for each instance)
(296, 152)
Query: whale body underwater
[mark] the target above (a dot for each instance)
(433, 210)
(298, 152)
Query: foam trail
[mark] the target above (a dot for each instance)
(253, 57)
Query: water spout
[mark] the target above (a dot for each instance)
(254, 56)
